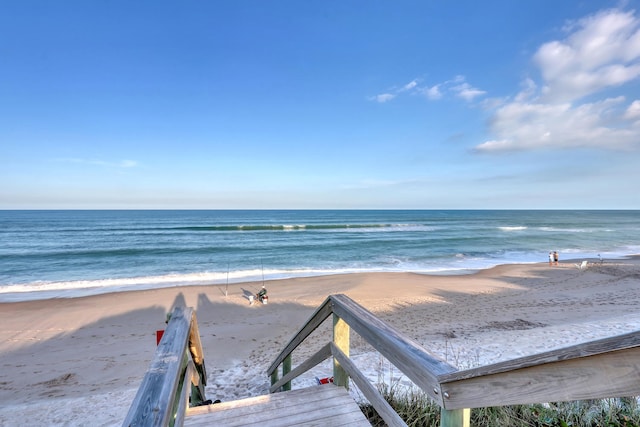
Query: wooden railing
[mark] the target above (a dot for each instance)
(595, 370)
(176, 377)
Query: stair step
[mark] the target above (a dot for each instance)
(325, 405)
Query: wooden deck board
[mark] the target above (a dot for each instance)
(326, 405)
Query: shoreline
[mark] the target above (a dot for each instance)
(55, 352)
(62, 290)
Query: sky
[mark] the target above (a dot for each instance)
(529, 104)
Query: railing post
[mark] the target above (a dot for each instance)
(341, 340)
(274, 376)
(455, 417)
(286, 368)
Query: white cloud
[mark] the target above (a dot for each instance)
(433, 92)
(467, 92)
(412, 84)
(633, 112)
(529, 88)
(600, 52)
(382, 98)
(386, 97)
(523, 126)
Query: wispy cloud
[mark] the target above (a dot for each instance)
(467, 92)
(128, 164)
(122, 164)
(599, 54)
(374, 183)
(409, 86)
(382, 98)
(457, 86)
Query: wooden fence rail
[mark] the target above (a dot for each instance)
(595, 370)
(176, 376)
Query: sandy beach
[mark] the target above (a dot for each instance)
(80, 361)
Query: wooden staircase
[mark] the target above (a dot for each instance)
(599, 369)
(325, 405)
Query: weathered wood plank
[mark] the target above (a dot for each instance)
(282, 399)
(611, 374)
(316, 319)
(195, 347)
(381, 406)
(314, 360)
(604, 345)
(286, 368)
(338, 413)
(154, 400)
(341, 341)
(183, 404)
(406, 354)
(321, 406)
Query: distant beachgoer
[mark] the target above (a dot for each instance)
(262, 293)
(550, 258)
(555, 257)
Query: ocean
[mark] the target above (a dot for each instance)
(58, 254)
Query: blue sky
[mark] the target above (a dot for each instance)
(332, 104)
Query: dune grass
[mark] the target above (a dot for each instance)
(417, 410)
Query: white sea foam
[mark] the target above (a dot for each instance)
(568, 230)
(382, 228)
(290, 227)
(514, 228)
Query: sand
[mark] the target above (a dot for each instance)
(80, 361)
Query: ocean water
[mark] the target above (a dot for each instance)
(53, 254)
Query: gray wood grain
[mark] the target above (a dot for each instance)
(325, 405)
(372, 394)
(153, 403)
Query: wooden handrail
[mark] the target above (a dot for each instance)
(591, 348)
(383, 408)
(316, 319)
(314, 360)
(407, 355)
(163, 395)
(595, 370)
(598, 369)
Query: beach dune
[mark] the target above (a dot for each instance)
(80, 360)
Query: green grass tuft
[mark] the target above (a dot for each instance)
(418, 410)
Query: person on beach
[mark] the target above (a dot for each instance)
(550, 258)
(262, 293)
(555, 257)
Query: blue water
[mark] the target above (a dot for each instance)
(46, 254)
